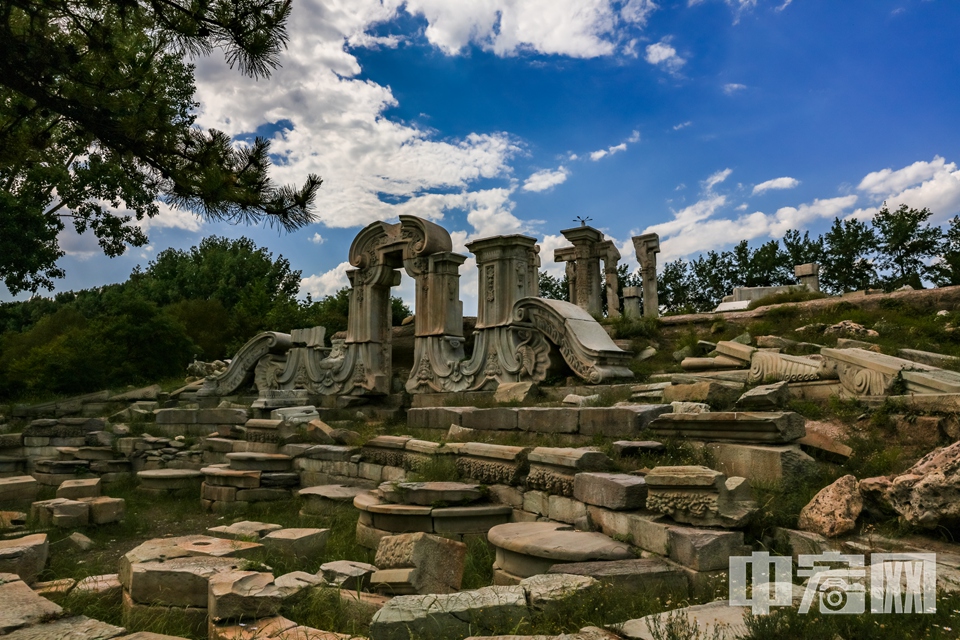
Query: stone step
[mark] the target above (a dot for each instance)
(732, 426)
(259, 461)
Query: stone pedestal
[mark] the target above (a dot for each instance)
(631, 301)
(808, 275)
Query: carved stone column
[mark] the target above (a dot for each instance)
(611, 258)
(504, 350)
(585, 289)
(647, 247)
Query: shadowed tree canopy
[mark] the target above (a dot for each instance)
(97, 122)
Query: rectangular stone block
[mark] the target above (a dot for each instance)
(548, 419)
(649, 531)
(18, 489)
(732, 426)
(705, 549)
(536, 502)
(616, 491)
(76, 489)
(566, 510)
(760, 463)
(435, 417)
(176, 416)
(618, 421)
(370, 471)
(104, 509)
(490, 419)
(35, 441)
(643, 575)
(230, 478)
(215, 492)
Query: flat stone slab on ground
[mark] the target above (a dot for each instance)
(727, 620)
(652, 575)
(245, 529)
(580, 458)
(175, 582)
(75, 628)
(545, 589)
(20, 489)
(348, 574)
(22, 606)
(170, 479)
(527, 548)
(301, 543)
(160, 549)
(242, 594)
(454, 615)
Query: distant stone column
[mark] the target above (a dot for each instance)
(611, 258)
(585, 254)
(647, 247)
(631, 302)
(808, 274)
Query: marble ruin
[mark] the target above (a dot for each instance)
(647, 247)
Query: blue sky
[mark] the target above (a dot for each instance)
(708, 121)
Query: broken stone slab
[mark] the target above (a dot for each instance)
(742, 353)
(430, 493)
(385, 450)
(552, 468)
(330, 452)
(492, 463)
(578, 400)
(822, 445)
(456, 433)
(455, 615)
(82, 488)
(548, 589)
(175, 582)
(690, 407)
(712, 392)
(768, 397)
(525, 549)
(244, 530)
(637, 447)
(170, 479)
(715, 363)
(705, 549)
(22, 606)
(26, 557)
(318, 500)
(298, 543)
(927, 357)
(715, 620)
(634, 576)
(295, 415)
(60, 512)
(262, 629)
(700, 496)
(732, 426)
(259, 461)
(616, 491)
(105, 509)
(761, 463)
(865, 373)
(437, 563)
(106, 585)
(515, 392)
(161, 549)
(79, 541)
(72, 628)
(848, 343)
(619, 421)
(18, 489)
(348, 574)
(235, 595)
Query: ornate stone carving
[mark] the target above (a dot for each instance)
(584, 345)
(241, 369)
(767, 366)
(864, 382)
(647, 247)
(700, 496)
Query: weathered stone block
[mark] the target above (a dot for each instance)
(548, 419)
(21, 605)
(26, 556)
(75, 489)
(438, 562)
(18, 489)
(566, 510)
(490, 419)
(299, 543)
(704, 549)
(713, 392)
(619, 421)
(242, 594)
(221, 477)
(348, 574)
(761, 463)
(104, 509)
(214, 492)
(617, 491)
(636, 576)
(178, 582)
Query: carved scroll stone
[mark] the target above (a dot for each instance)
(583, 343)
(768, 366)
(241, 369)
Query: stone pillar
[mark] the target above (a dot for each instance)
(647, 247)
(439, 310)
(809, 275)
(611, 258)
(585, 254)
(631, 301)
(508, 272)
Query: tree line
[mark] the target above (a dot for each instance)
(896, 248)
(201, 303)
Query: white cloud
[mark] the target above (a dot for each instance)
(733, 87)
(715, 179)
(326, 283)
(545, 179)
(170, 218)
(576, 28)
(609, 151)
(663, 54)
(776, 183)
(682, 125)
(786, 3)
(317, 239)
(742, 207)
(634, 137)
(934, 185)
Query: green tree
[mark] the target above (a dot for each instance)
(906, 245)
(801, 249)
(96, 106)
(849, 247)
(713, 276)
(675, 287)
(947, 269)
(553, 288)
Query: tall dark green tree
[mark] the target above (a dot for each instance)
(849, 249)
(714, 276)
(800, 249)
(96, 106)
(906, 246)
(554, 288)
(675, 287)
(947, 269)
